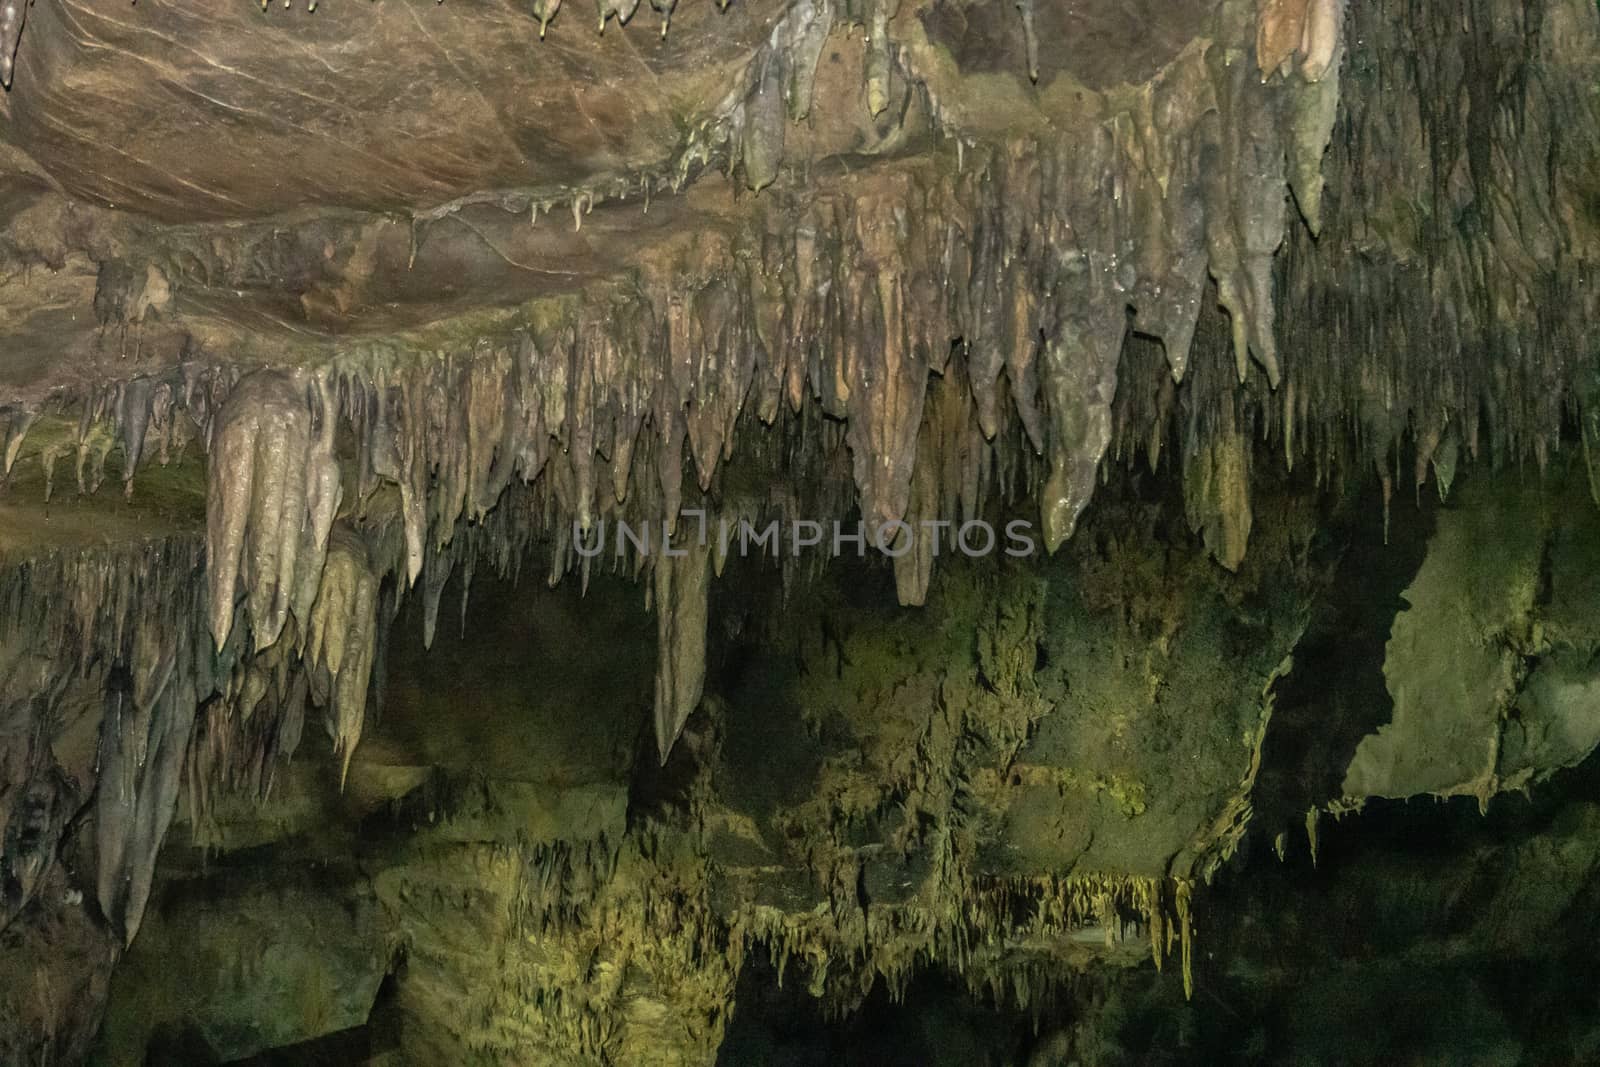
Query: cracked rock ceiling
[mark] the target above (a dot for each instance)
(342, 298)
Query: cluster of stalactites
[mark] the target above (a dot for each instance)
(125, 617)
(242, 736)
(328, 662)
(348, 621)
(273, 490)
(779, 89)
(1443, 315)
(278, 563)
(1006, 286)
(84, 607)
(144, 735)
(149, 418)
(1052, 913)
(1024, 260)
(1013, 279)
(133, 623)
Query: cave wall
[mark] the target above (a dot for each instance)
(1030, 782)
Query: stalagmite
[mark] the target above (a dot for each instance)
(682, 585)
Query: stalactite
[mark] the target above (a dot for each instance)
(913, 561)
(886, 370)
(1591, 438)
(805, 31)
(342, 646)
(1430, 300)
(137, 608)
(273, 492)
(1182, 900)
(148, 715)
(435, 573)
(662, 7)
(12, 16)
(878, 65)
(544, 11)
(1323, 36)
(682, 585)
(1245, 216)
(763, 125)
(621, 10)
(810, 332)
(1311, 29)
(16, 433)
(1216, 488)
(36, 797)
(1280, 30)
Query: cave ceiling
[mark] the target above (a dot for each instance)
(341, 190)
(185, 112)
